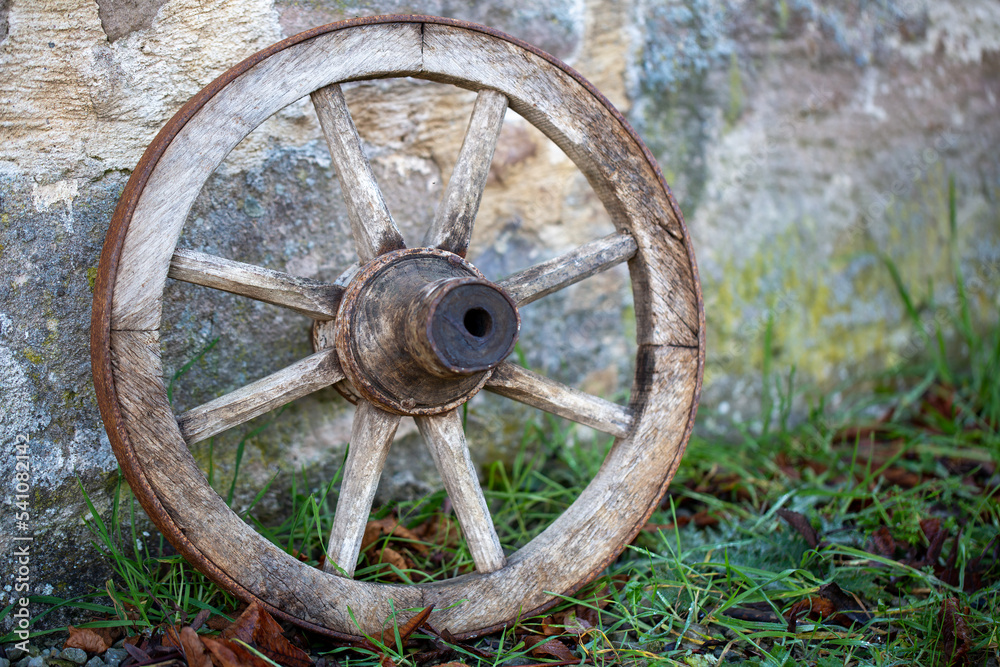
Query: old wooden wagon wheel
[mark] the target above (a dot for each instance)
(417, 331)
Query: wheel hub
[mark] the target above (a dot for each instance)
(419, 331)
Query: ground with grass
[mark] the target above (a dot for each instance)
(839, 541)
(862, 535)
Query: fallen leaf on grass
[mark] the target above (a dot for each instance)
(978, 573)
(390, 556)
(830, 604)
(904, 479)
(882, 543)
(226, 653)
(220, 623)
(542, 647)
(390, 527)
(800, 523)
(194, 650)
(981, 571)
(440, 530)
(575, 622)
(935, 540)
(86, 639)
(109, 635)
(793, 468)
(955, 636)
(445, 638)
(137, 653)
(751, 614)
(170, 637)
(406, 629)
(200, 619)
(816, 607)
(255, 626)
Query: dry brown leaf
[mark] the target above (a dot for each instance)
(194, 650)
(453, 664)
(704, 518)
(801, 524)
(816, 607)
(935, 540)
(222, 654)
(551, 627)
(255, 626)
(376, 529)
(227, 653)
(542, 647)
(200, 619)
(904, 479)
(109, 635)
(573, 622)
(440, 530)
(955, 636)
(882, 543)
(246, 624)
(86, 639)
(413, 540)
(139, 654)
(392, 557)
(391, 527)
(219, 623)
(406, 629)
(171, 636)
(831, 604)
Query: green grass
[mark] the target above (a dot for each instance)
(679, 594)
(713, 577)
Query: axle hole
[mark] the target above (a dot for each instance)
(478, 322)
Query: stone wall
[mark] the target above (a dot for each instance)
(805, 140)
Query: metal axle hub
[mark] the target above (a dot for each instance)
(419, 330)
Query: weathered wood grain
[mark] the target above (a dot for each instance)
(445, 438)
(580, 543)
(371, 334)
(600, 144)
(543, 279)
(544, 393)
(456, 214)
(371, 436)
(593, 529)
(223, 539)
(309, 297)
(199, 145)
(301, 378)
(374, 231)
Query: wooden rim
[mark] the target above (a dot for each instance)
(669, 311)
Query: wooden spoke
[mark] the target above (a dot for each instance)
(455, 215)
(446, 442)
(309, 297)
(303, 377)
(546, 394)
(371, 436)
(551, 276)
(374, 231)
